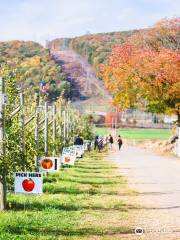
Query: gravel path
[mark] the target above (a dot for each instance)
(156, 184)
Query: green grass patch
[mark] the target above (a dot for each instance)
(81, 202)
(138, 133)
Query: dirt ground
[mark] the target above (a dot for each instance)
(154, 203)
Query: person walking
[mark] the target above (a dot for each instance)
(119, 142)
(96, 142)
(111, 141)
(78, 141)
(100, 144)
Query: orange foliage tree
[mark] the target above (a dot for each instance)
(146, 75)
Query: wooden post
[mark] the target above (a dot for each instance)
(54, 129)
(60, 129)
(46, 129)
(2, 147)
(70, 124)
(64, 118)
(36, 133)
(22, 127)
(67, 124)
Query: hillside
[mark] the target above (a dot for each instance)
(88, 93)
(35, 64)
(95, 47)
(79, 58)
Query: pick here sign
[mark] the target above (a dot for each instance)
(28, 183)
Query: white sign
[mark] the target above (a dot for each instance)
(28, 183)
(79, 150)
(68, 159)
(49, 164)
(70, 150)
(86, 144)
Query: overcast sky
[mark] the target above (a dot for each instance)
(41, 20)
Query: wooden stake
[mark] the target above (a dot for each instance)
(36, 133)
(64, 118)
(60, 129)
(46, 129)
(22, 128)
(54, 129)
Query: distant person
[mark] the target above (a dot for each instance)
(111, 141)
(100, 143)
(78, 141)
(119, 142)
(96, 142)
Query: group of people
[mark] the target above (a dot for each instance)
(100, 142)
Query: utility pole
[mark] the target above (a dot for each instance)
(22, 127)
(54, 128)
(36, 135)
(2, 146)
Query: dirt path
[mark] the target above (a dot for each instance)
(156, 184)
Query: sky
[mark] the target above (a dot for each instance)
(41, 20)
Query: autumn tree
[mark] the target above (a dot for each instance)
(146, 75)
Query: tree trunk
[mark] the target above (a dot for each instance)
(2, 193)
(178, 121)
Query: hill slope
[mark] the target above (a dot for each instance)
(88, 93)
(95, 47)
(36, 64)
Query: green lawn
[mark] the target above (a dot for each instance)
(81, 202)
(137, 133)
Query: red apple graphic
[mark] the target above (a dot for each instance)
(67, 159)
(28, 185)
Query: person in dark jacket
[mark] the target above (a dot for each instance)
(111, 140)
(119, 142)
(96, 142)
(78, 141)
(100, 144)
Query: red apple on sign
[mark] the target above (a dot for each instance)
(28, 185)
(67, 159)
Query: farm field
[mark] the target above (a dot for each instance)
(77, 203)
(137, 133)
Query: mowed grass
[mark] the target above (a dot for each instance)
(138, 133)
(81, 202)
